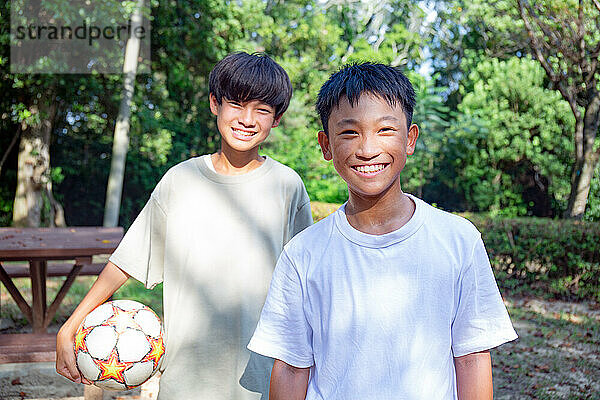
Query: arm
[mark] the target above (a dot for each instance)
(288, 382)
(111, 278)
(474, 376)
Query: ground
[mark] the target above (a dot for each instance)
(40, 381)
(557, 356)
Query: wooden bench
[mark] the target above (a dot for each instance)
(38, 347)
(27, 347)
(21, 270)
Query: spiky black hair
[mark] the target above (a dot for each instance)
(353, 80)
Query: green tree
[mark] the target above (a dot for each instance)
(563, 36)
(511, 143)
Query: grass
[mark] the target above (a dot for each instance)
(320, 210)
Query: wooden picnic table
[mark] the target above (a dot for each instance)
(39, 245)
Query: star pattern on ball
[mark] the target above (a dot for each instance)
(156, 352)
(80, 339)
(113, 368)
(122, 320)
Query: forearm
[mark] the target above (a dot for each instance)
(474, 376)
(288, 382)
(110, 279)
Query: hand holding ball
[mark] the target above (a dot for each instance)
(119, 345)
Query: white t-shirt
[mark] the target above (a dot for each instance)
(213, 240)
(382, 316)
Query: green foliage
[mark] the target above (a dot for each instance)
(561, 257)
(546, 30)
(511, 143)
(432, 117)
(492, 137)
(295, 145)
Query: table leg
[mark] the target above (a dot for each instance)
(37, 270)
(16, 295)
(61, 294)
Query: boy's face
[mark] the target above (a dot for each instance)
(243, 126)
(368, 144)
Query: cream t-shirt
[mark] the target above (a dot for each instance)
(213, 240)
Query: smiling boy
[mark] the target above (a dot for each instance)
(388, 298)
(211, 232)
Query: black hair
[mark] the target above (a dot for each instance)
(352, 80)
(244, 77)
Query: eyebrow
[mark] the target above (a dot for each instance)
(351, 121)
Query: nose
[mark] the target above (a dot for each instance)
(368, 147)
(246, 117)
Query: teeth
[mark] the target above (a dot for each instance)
(370, 168)
(243, 132)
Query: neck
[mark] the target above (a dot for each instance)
(381, 214)
(230, 162)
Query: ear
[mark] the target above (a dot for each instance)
(325, 145)
(214, 105)
(276, 121)
(411, 143)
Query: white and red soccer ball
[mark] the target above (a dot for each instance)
(119, 345)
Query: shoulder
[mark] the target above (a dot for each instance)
(312, 240)
(455, 238)
(184, 167)
(284, 174)
(283, 179)
(177, 175)
(447, 225)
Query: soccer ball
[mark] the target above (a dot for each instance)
(119, 345)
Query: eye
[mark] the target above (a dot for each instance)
(234, 103)
(263, 110)
(348, 132)
(387, 129)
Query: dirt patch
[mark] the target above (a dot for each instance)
(557, 355)
(40, 381)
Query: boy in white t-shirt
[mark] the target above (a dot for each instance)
(211, 232)
(388, 298)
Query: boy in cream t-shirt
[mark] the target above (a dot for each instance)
(211, 232)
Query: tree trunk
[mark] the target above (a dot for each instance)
(586, 158)
(114, 188)
(33, 166)
(57, 213)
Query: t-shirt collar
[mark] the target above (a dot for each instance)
(387, 239)
(263, 169)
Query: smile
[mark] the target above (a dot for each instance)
(370, 170)
(243, 133)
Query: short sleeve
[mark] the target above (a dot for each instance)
(481, 321)
(303, 218)
(141, 252)
(283, 331)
